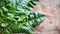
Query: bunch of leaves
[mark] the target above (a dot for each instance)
(16, 16)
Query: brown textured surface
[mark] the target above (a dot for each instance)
(51, 25)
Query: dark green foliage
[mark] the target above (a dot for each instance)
(32, 3)
(16, 16)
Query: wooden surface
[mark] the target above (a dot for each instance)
(51, 25)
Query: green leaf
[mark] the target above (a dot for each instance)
(6, 32)
(16, 16)
(32, 3)
(35, 18)
(23, 29)
(4, 24)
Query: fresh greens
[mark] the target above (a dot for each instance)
(16, 16)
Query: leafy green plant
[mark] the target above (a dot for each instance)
(16, 16)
